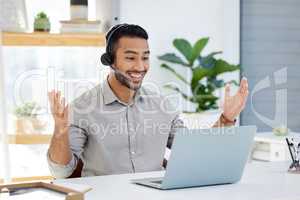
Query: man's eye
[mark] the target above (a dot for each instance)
(130, 58)
(146, 58)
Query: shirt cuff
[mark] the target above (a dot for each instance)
(59, 170)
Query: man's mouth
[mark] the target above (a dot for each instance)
(136, 76)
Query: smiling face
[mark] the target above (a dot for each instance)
(131, 61)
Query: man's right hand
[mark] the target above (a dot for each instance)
(60, 112)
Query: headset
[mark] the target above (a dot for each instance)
(108, 58)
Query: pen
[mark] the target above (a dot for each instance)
(289, 146)
(294, 150)
(298, 150)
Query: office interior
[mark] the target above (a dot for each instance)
(258, 39)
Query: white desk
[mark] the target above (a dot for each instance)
(261, 180)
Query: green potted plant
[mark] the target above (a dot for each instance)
(205, 70)
(42, 22)
(26, 118)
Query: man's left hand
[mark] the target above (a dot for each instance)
(233, 105)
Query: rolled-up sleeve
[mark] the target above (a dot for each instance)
(61, 171)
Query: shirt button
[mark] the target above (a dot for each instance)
(133, 152)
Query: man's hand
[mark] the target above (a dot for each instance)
(60, 112)
(233, 105)
(59, 150)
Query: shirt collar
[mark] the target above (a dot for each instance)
(110, 97)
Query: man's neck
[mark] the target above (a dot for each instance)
(122, 92)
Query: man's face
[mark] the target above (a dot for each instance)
(131, 61)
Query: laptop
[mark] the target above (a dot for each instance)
(203, 157)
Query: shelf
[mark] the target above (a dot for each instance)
(29, 138)
(52, 39)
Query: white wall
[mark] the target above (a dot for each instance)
(190, 19)
(4, 159)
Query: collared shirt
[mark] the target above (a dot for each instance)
(112, 137)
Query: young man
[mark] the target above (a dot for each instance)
(118, 126)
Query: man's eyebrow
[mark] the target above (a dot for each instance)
(130, 51)
(134, 52)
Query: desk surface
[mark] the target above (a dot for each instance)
(263, 180)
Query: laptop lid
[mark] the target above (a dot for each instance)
(208, 156)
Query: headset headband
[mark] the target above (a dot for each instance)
(107, 58)
(110, 34)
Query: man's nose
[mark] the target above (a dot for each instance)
(140, 65)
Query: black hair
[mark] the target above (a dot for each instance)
(119, 31)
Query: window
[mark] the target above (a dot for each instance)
(29, 73)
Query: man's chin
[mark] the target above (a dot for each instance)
(135, 87)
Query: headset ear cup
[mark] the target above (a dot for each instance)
(106, 59)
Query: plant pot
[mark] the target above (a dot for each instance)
(22, 126)
(201, 120)
(29, 125)
(38, 124)
(42, 25)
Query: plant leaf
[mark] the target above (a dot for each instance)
(173, 58)
(198, 74)
(222, 66)
(174, 72)
(174, 88)
(197, 48)
(185, 48)
(234, 82)
(215, 82)
(209, 60)
(206, 97)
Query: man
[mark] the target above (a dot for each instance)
(119, 126)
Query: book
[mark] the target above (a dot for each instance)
(80, 26)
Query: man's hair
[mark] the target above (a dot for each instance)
(125, 30)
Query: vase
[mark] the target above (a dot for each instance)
(29, 125)
(22, 126)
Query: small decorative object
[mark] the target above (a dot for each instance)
(26, 118)
(42, 22)
(79, 9)
(13, 16)
(204, 70)
(280, 131)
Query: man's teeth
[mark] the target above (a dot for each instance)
(135, 75)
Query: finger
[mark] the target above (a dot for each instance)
(58, 95)
(58, 102)
(62, 105)
(51, 100)
(243, 85)
(227, 91)
(66, 112)
(245, 97)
